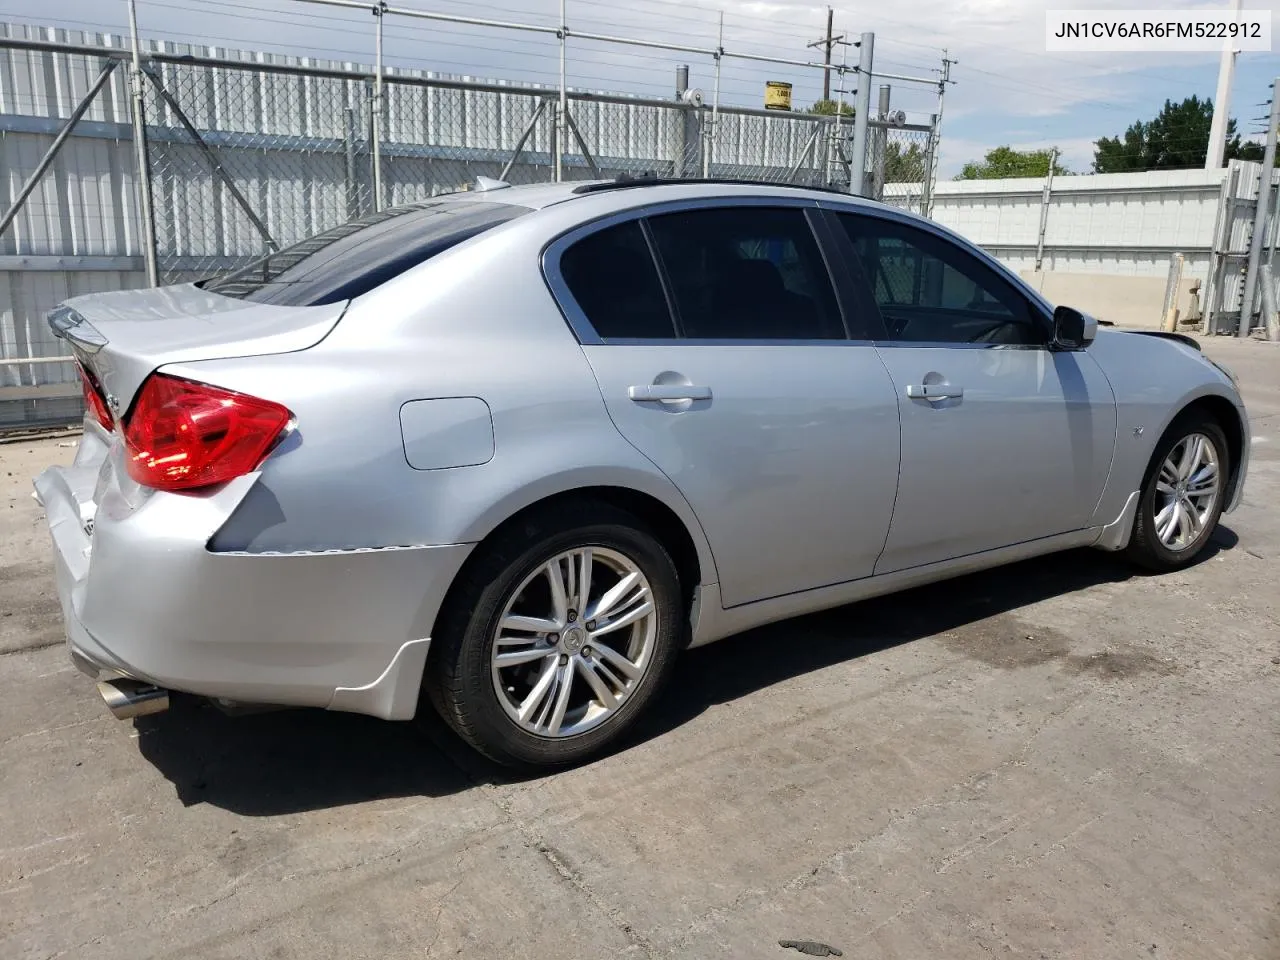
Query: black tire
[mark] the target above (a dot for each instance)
(1145, 547)
(459, 683)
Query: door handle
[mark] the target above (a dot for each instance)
(668, 391)
(934, 391)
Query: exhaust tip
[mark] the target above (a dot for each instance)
(127, 698)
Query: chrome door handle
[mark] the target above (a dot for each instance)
(934, 391)
(668, 391)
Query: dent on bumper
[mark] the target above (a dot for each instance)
(344, 629)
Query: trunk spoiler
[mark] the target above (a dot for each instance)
(70, 325)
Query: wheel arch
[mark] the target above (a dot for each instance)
(1230, 417)
(673, 525)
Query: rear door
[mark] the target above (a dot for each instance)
(722, 353)
(1004, 440)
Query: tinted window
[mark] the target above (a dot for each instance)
(612, 275)
(747, 273)
(353, 258)
(930, 290)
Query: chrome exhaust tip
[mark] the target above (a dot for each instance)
(127, 698)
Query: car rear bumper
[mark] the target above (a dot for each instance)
(143, 597)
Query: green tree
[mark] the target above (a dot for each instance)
(828, 108)
(1004, 162)
(1176, 138)
(904, 166)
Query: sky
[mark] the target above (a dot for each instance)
(1007, 89)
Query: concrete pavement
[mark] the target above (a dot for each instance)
(1058, 759)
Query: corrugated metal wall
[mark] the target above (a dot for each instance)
(1118, 223)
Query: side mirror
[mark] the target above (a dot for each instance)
(1073, 329)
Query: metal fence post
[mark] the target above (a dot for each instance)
(881, 142)
(1269, 317)
(1044, 207)
(143, 160)
(930, 163)
(682, 129)
(349, 154)
(1212, 283)
(1169, 312)
(1260, 215)
(376, 107)
(562, 106)
(862, 111)
(713, 130)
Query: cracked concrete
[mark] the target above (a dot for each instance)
(1060, 759)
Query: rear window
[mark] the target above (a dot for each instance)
(354, 258)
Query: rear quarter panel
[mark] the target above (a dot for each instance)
(1154, 380)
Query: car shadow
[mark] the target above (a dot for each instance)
(291, 760)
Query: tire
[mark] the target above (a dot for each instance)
(1146, 547)
(509, 582)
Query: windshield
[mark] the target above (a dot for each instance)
(351, 259)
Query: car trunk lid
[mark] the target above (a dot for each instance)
(123, 336)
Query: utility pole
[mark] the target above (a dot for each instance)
(827, 43)
(1258, 240)
(935, 135)
(1222, 101)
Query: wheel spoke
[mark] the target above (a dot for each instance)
(612, 597)
(517, 657)
(1166, 519)
(539, 691)
(528, 624)
(1190, 456)
(565, 680)
(1165, 488)
(603, 694)
(559, 594)
(614, 659)
(1169, 471)
(1192, 515)
(1182, 526)
(582, 594)
(628, 618)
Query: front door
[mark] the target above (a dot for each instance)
(722, 355)
(1003, 440)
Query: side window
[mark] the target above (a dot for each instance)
(931, 291)
(612, 275)
(747, 273)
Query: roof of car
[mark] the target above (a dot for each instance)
(539, 195)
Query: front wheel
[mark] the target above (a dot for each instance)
(557, 637)
(1183, 494)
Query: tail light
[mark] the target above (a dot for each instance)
(93, 400)
(182, 434)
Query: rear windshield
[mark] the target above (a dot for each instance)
(353, 258)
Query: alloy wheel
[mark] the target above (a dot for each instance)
(574, 642)
(1187, 491)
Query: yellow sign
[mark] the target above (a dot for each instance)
(777, 95)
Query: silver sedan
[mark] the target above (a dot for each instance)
(508, 452)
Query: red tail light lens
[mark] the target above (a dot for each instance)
(182, 434)
(93, 400)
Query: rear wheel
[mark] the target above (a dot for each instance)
(1183, 494)
(557, 637)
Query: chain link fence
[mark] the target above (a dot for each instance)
(250, 153)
